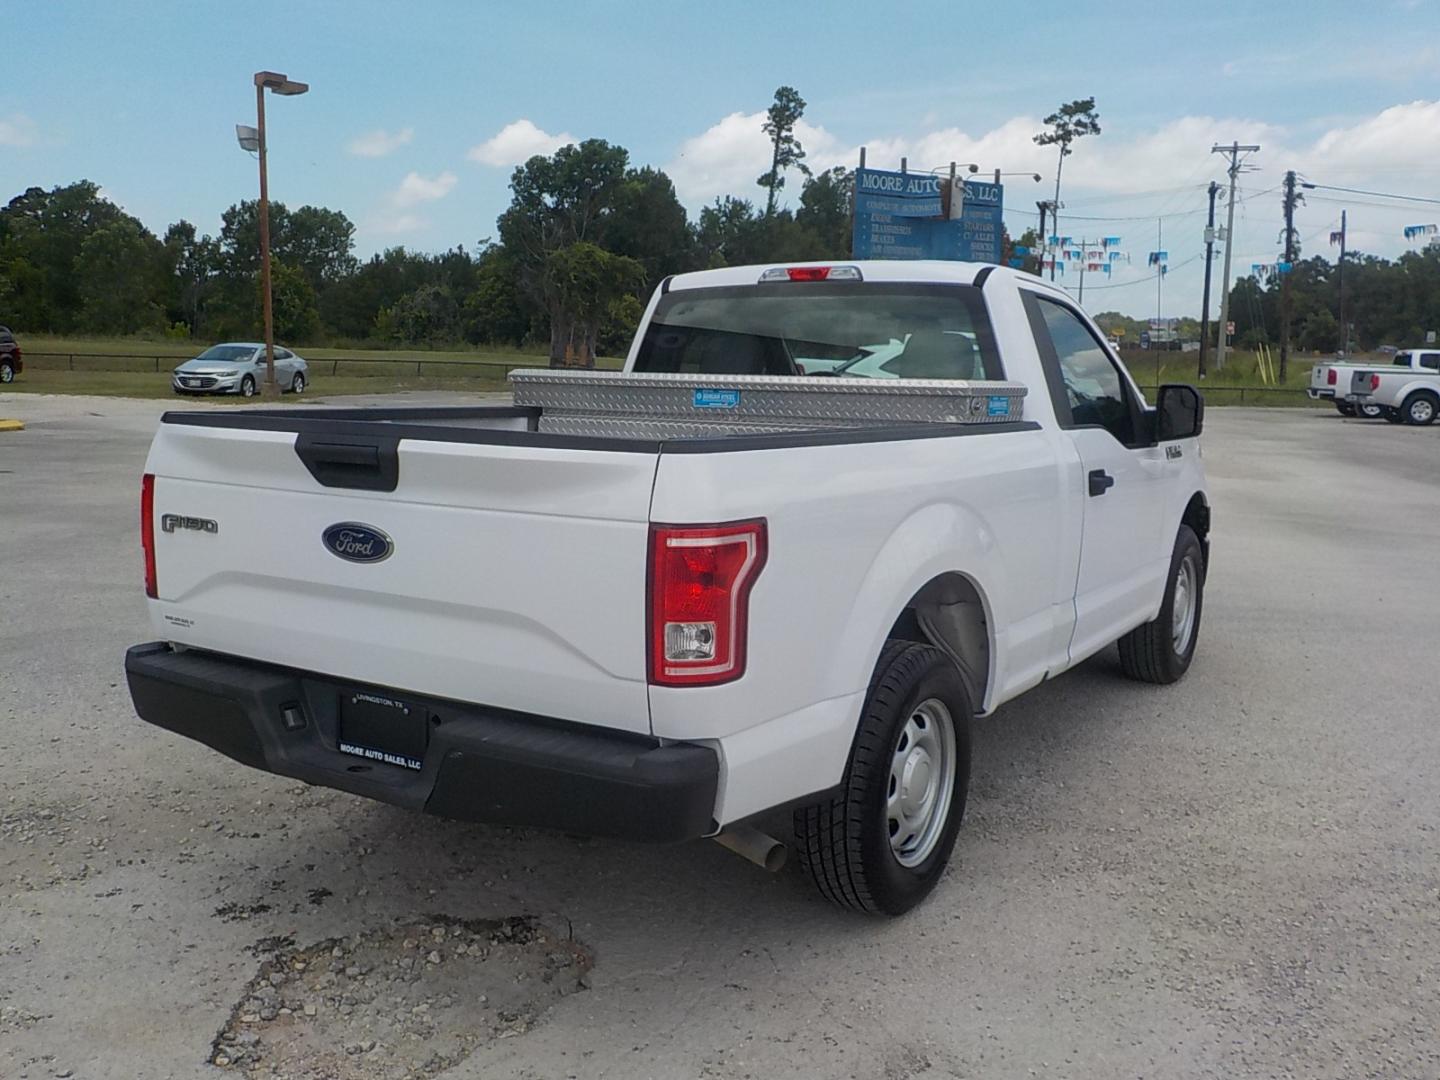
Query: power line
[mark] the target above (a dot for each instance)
(1377, 194)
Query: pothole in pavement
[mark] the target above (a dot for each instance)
(406, 1002)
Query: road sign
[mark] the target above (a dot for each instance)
(904, 216)
(1230, 329)
(1429, 337)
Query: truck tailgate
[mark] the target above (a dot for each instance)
(516, 578)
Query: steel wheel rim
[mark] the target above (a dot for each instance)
(1182, 622)
(921, 782)
(1421, 411)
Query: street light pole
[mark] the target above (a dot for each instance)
(265, 301)
(280, 84)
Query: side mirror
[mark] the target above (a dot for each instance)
(1179, 412)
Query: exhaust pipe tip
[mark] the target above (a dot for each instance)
(757, 847)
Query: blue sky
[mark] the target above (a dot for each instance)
(418, 111)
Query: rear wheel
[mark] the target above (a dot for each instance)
(1161, 650)
(7, 371)
(1420, 408)
(883, 842)
(1371, 412)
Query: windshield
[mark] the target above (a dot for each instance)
(229, 353)
(841, 329)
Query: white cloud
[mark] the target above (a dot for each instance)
(516, 143)
(379, 143)
(727, 158)
(17, 129)
(417, 189)
(397, 223)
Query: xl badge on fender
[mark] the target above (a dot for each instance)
(358, 543)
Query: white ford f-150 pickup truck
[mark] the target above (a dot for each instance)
(825, 517)
(1407, 391)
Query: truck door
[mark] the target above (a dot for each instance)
(1123, 558)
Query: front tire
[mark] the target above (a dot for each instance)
(1161, 650)
(1420, 408)
(881, 845)
(247, 386)
(297, 384)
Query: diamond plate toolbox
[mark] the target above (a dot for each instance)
(770, 401)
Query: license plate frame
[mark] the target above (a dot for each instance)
(383, 729)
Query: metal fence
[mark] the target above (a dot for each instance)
(359, 366)
(496, 370)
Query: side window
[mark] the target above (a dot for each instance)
(282, 354)
(1430, 360)
(1097, 394)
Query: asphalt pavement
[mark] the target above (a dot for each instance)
(1233, 877)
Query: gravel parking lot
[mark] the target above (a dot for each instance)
(1234, 877)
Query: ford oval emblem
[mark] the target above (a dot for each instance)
(358, 543)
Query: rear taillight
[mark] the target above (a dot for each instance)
(810, 273)
(147, 532)
(1374, 383)
(699, 600)
(1330, 377)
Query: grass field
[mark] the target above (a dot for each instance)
(130, 367)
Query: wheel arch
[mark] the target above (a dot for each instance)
(1197, 516)
(951, 613)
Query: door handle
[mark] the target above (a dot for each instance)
(1100, 481)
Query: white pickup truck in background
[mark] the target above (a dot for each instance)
(1331, 382)
(663, 603)
(1407, 391)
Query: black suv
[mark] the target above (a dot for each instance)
(10, 363)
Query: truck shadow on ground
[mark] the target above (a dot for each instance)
(1032, 761)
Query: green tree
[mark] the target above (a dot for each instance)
(785, 149)
(1320, 332)
(648, 223)
(293, 303)
(496, 310)
(191, 263)
(558, 204)
(429, 315)
(1063, 127)
(826, 208)
(582, 284)
(117, 275)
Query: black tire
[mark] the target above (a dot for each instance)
(7, 372)
(844, 843)
(1344, 408)
(1420, 408)
(247, 386)
(1150, 653)
(1393, 416)
(1370, 412)
(297, 384)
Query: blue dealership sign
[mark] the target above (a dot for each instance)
(903, 216)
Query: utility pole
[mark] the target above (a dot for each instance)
(1233, 151)
(1209, 259)
(1291, 198)
(1344, 331)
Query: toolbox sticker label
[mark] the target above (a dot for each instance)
(711, 398)
(999, 406)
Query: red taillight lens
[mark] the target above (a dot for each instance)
(147, 532)
(1374, 383)
(1330, 377)
(700, 580)
(808, 273)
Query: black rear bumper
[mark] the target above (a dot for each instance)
(481, 764)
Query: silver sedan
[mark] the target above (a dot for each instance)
(238, 367)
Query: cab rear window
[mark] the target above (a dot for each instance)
(862, 330)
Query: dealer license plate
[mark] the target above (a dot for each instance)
(383, 729)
